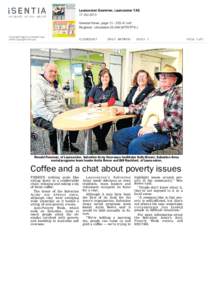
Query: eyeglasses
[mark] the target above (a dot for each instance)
(164, 75)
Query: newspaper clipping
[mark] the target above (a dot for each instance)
(103, 86)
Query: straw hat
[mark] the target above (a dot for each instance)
(167, 69)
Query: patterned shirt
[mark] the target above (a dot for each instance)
(173, 112)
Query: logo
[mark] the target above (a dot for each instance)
(23, 10)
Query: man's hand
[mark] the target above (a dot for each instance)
(146, 129)
(120, 110)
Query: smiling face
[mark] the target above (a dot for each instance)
(50, 72)
(166, 81)
(105, 79)
(142, 79)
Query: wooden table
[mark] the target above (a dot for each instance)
(84, 118)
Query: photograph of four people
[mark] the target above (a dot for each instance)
(158, 111)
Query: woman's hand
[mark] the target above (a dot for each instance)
(104, 104)
(90, 104)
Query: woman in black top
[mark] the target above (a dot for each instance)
(104, 94)
(142, 86)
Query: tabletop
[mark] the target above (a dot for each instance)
(84, 118)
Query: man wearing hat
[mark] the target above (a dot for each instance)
(160, 124)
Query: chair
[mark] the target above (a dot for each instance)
(39, 136)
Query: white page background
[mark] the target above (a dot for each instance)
(167, 262)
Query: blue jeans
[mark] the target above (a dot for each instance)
(126, 141)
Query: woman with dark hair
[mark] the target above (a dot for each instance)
(142, 85)
(102, 95)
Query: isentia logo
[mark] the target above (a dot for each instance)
(21, 10)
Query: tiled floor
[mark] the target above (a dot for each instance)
(40, 144)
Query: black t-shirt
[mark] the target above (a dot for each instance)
(88, 79)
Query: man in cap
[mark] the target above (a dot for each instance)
(48, 101)
(161, 114)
